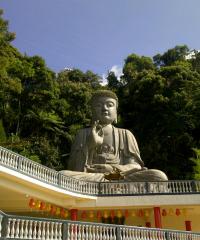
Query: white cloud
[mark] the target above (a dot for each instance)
(117, 71)
(104, 80)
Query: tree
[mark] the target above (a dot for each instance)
(113, 82)
(135, 64)
(77, 76)
(196, 61)
(196, 164)
(172, 55)
(158, 106)
(10, 85)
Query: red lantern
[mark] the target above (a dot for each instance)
(112, 214)
(53, 209)
(62, 212)
(31, 203)
(178, 212)
(126, 213)
(164, 212)
(140, 213)
(42, 206)
(83, 215)
(98, 214)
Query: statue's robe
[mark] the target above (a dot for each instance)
(126, 155)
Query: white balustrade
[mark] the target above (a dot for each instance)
(91, 232)
(38, 171)
(18, 228)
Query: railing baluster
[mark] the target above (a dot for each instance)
(8, 233)
(79, 232)
(43, 230)
(12, 235)
(39, 231)
(56, 231)
(21, 233)
(26, 229)
(86, 232)
(1, 219)
(82, 230)
(69, 232)
(59, 231)
(34, 229)
(48, 230)
(52, 230)
(30, 230)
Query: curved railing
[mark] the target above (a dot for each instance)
(37, 171)
(18, 227)
(149, 188)
(40, 172)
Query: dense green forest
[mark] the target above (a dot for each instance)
(41, 111)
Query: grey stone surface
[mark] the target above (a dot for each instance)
(104, 152)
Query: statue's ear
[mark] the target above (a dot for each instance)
(94, 118)
(115, 121)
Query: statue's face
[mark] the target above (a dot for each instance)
(105, 110)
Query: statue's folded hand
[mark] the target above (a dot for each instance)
(100, 168)
(128, 168)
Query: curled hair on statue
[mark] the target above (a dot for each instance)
(103, 93)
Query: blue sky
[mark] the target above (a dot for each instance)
(98, 35)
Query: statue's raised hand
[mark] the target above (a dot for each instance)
(96, 136)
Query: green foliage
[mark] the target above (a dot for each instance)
(195, 61)
(135, 64)
(113, 82)
(5, 35)
(172, 55)
(27, 153)
(40, 112)
(2, 132)
(161, 106)
(196, 161)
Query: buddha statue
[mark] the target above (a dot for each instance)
(103, 152)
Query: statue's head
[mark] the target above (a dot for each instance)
(104, 106)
